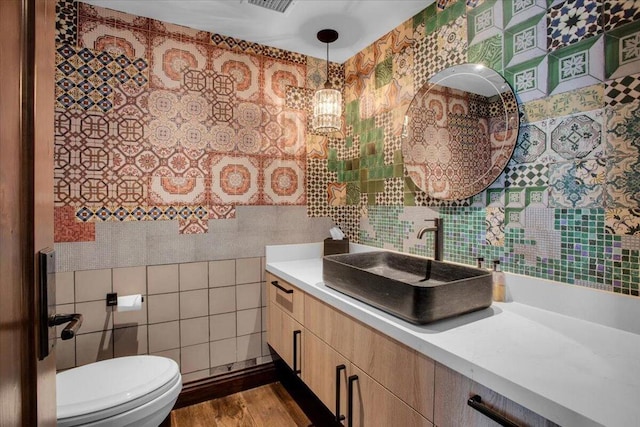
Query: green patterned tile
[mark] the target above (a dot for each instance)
(487, 52)
(577, 65)
(622, 57)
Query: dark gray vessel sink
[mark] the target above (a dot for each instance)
(418, 290)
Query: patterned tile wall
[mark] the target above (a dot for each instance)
(157, 122)
(566, 207)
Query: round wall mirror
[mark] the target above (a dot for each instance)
(460, 131)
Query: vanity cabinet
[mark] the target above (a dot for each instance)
(389, 384)
(285, 312)
(326, 350)
(453, 390)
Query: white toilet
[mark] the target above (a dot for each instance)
(135, 391)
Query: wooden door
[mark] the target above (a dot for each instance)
(27, 395)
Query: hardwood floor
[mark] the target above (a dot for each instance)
(268, 405)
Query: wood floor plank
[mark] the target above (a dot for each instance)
(229, 411)
(268, 409)
(265, 406)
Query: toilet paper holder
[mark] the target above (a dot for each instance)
(112, 299)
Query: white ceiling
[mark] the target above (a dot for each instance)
(359, 22)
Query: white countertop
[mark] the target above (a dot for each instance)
(581, 369)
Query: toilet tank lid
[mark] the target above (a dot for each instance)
(109, 383)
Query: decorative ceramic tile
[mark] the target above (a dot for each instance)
(536, 197)
(514, 217)
(577, 184)
(525, 41)
(622, 90)
(238, 182)
(68, 229)
(534, 175)
(488, 52)
(495, 197)
(623, 182)
(619, 12)
(235, 44)
(580, 64)
(122, 19)
(425, 53)
(528, 79)
(623, 135)
(577, 137)
(284, 181)
(403, 65)
(484, 21)
(86, 78)
(622, 221)
(337, 194)
(66, 25)
(358, 74)
(106, 36)
(583, 99)
(193, 226)
(532, 142)
(515, 198)
(571, 22)
(171, 57)
(533, 111)
(452, 43)
(518, 11)
(622, 57)
(495, 222)
(277, 76)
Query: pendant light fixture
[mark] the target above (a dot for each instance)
(327, 102)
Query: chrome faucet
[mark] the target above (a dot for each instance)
(438, 235)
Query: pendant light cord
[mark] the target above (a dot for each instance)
(326, 83)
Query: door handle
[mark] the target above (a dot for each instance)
(74, 320)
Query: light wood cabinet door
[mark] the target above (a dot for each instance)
(330, 325)
(286, 337)
(405, 372)
(451, 409)
(324, 368)
(286, 296)
(373, 405)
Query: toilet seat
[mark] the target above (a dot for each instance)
(114, 387)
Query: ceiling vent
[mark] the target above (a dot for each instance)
(277, 5)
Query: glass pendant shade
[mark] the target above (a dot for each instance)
(327, 110)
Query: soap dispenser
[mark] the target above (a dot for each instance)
(498, 282)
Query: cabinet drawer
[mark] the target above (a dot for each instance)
(285, 336)
(322, 375)
(451, 409)
(330, 325)
(373, 405)
(286, 296)
(405, 372)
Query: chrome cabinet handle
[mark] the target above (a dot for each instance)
(476, 403)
